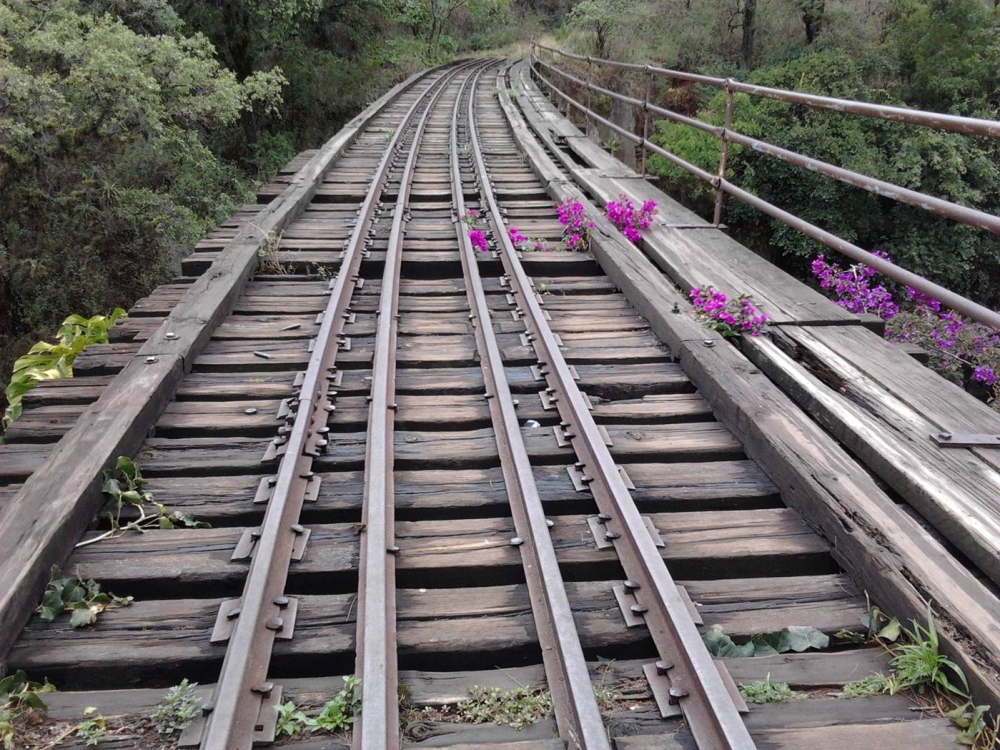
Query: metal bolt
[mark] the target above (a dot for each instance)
(251, 410)
(207, 708)
(611, 535)
(297, 528)
(549, 522)
(709, 343)
(662, 667)
(233, 613)
(631, 585)
(516, 541)
(393, 550)
(275, 623)
(603, 517)
(532, 423)
(639, 608)
(281, 601)
(150, 360)
(170, 336)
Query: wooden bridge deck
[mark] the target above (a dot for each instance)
(787, 484)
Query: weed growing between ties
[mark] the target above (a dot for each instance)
(268, 263)
(123, 488)
(515, 708)
(178, 709)
(84, 600)
(765, 691)
(21, 707)
(336, 716)
(936, 682)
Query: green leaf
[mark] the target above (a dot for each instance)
(800, 638)
(82, 616)
(891, 631)
(52, 605)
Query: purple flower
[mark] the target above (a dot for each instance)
(984, 375)
(515, 236)
(478, 240)
(627, 220)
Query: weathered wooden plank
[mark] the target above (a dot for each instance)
(462, 628)
(884, 406)
(439, 449)
(478, 492)
(751, 543)
(922, 734)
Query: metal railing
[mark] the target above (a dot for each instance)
(726, 135)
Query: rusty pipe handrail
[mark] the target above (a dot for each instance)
(936, 120)
(955, 301)
(948, 209)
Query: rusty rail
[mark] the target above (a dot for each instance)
(948, 209)
(242, 709)
(686, 680)
(577, 713)
(377, 728)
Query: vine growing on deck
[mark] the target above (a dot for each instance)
(45, 361)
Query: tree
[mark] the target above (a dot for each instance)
(812, 17)
(104, 159)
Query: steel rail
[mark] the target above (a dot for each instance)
(948, 209)
(947, 297)
(696, 683)
(234, 711)
(578, 716)
(935, 120)
(377, 727)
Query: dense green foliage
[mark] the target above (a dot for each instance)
(941, 55)
(127, 129)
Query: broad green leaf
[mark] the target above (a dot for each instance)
(52, 605)
(82, 616)
(803, 637)
(891, 631)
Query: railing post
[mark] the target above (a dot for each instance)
(723, 154)
(590, 121)
(645, 116)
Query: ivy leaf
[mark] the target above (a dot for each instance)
(52, 605)
(166, 523)
(82, 616)
(800, 638)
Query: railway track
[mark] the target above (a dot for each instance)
(436, 469)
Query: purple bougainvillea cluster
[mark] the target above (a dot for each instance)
(965, 352)
(728, 317)
(853, 287)
(477, 236)
(576, 230)
(629, 221)
(576, 225)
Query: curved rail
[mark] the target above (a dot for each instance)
(378, 725)
(948, 298)
(263, 612)
(577, 713)
(695, 683)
